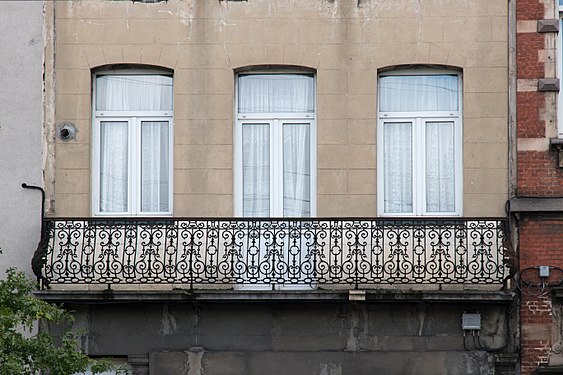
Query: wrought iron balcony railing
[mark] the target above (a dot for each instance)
(272, 252)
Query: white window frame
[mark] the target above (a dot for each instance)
(419, 149)
(134, 119)
(276, 150)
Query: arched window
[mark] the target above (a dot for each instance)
(132, 142)
(419, 143)
(275, 144)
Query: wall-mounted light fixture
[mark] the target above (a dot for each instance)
(66, 131)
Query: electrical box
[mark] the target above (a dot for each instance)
(544, 271)
(471, 322)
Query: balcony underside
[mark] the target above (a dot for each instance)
(333, 296)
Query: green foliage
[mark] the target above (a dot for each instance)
(25, 353)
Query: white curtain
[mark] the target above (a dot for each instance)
(113, 166)
(397, 167)
(256, 170)
(440, 167)
(154, 166)
(418, 93)
(296, 171)
(141, 94)
(133, 92)
(276, 93)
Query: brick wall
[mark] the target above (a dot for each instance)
(530, 104)
(537, 174)
(541, 243)
(540, 235)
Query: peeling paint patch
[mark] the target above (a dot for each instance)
(331, 368)
(169, 325)
(194, 364)
(357, 328)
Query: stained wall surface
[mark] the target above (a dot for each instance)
(296, 337)
(346, 42)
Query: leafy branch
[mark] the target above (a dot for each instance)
(23, 352)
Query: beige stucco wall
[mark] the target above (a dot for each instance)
(204, 41)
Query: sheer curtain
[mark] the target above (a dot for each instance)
(270, 94)
(141, 94)
(412, 96)
(256, 170)
(296, 171)
(276, 93)
(440, 167)
(397, 160)
(113, 166)
(133, 93)
(418, 93)
(154, 166)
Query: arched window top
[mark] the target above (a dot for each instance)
(276, 93)
(418, 69)
(275, 89)
(133, 88)
(274, 68)
(420, 88)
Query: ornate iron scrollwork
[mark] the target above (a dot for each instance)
(275, 252)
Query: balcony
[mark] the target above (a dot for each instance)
(271, 254)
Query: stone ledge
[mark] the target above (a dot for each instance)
(536, 204)
(549, 370)
(548, 85)
(372, 295)
(548, 26)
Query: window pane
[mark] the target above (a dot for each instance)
(155, 169)
(418, 93)
(113, 166)
(276, 93)
(256, 170)
(133, 93)
(440, 167)
(397, 166)
(296, 171)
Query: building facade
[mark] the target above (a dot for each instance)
(273, 186)
(21, 131)
(537, 202)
